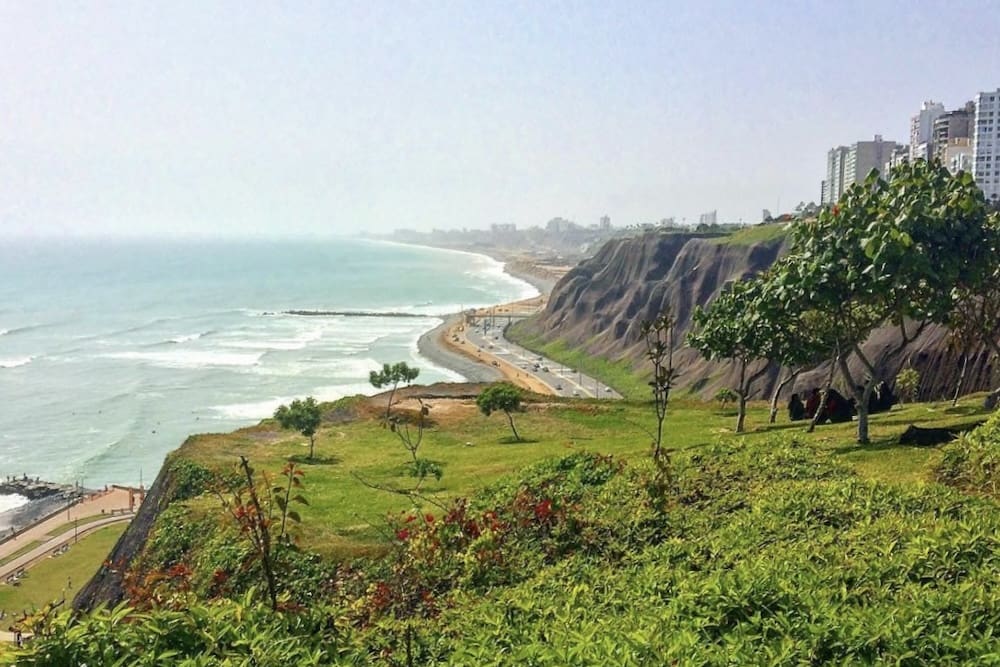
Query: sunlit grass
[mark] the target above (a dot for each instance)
(53, 578)
(346, 517)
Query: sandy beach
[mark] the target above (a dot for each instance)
(448, 346)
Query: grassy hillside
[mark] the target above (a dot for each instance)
(775, 547)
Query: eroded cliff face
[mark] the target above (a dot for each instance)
(599, 306)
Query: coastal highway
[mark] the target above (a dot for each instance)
(562, 380)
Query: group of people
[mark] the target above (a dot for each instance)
(836, 408)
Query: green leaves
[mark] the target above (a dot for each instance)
(302, 415)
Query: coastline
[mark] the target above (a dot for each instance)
(446, 345)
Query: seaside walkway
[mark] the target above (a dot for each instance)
(77, 520)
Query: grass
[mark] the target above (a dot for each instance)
(47, 581)
(754, 234)
(346, 518)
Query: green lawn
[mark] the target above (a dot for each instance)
(755, 234)
(345, 517)
(47, 581)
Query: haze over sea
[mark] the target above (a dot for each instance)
(113, 352)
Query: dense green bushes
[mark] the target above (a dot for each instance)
(973, 462)
(764, 554)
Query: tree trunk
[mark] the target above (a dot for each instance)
(510, 418)
(823, 395)
(312, 443)
(862, 397)
(388, 407)
(793, 373)
(961, 378)
(741, 413)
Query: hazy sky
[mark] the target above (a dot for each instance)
(320, 118)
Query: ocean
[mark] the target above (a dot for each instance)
(113, 352)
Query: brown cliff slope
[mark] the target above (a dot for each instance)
(599, 305)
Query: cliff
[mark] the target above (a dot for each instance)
(107, 586)
(600, 304)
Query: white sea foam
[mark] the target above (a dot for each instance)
(4, 332)
(188, 338)
(11, 501)
(191, 358)
(14, 362)
(250, 410)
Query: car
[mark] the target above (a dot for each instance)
(558, 387)
(545, 369)
(576, 393)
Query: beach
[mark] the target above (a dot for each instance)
(447, 345)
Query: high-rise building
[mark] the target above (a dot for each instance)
(865, 156)
(605, 223)
(950, 126)
(846, 165)
(709, 218)
(900, 155)
(986, 144)
(922, 129)
(833, 185)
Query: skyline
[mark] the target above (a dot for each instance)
(335, 119)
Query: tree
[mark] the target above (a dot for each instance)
(725, 396)
(658, 335)
(975, 315)
(420, 468)
(303, 416)
(887, 252)
(908, 384)
(392, 375)
(501, 396)
(735, 327)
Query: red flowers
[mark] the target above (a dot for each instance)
(543, 510)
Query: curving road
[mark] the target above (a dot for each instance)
(560, 379)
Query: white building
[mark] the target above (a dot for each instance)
(986, 144)
(900, 155)
(864, 156)
(922, 130)
(833, 184)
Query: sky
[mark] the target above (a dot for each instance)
(316, 119)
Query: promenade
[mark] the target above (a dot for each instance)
(63, 528)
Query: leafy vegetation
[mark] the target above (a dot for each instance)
(303, 416)
(392, 375)
(501, 397)
(769, 550)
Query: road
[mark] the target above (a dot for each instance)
(560, 379)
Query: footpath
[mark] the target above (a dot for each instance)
(53, 535)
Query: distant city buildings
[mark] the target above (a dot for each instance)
(952, 129)
(900, 155)
(710, 218)
(846, 165)
(986, 144)
(605, 223)
(922, 129)
(503, 228)
(965, 139)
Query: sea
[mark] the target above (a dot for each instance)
(113, 352)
